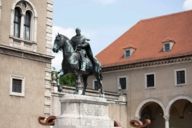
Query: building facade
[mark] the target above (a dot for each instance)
(25, 62)
(152, 64)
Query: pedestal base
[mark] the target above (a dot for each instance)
(83, 112)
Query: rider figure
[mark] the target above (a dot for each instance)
(80, 44)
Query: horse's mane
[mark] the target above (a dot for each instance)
(66, 38)
(67, 42)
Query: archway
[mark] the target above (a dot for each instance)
(181, 114)
(154, 112)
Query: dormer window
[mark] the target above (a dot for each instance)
(167, 46)
(128, 52)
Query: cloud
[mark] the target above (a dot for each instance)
(187, 5)
(69, 32)
(106, 2)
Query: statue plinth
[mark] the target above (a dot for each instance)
(83, 112)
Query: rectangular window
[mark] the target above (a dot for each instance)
(122, 83)
(167, 47)
(17, 86)
(180, 77)
(150, 80)
(127, 53)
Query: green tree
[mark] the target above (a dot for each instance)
(68, 79)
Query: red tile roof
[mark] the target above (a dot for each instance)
(147, 37)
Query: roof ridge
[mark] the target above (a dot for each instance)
(166, 15)
(142, 35)
(124, 33)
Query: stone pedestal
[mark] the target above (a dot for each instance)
(83, 112)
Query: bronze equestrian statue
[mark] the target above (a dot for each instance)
(78, 59)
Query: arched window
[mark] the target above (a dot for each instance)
(24, 22)
(27, 25)
(17, 22)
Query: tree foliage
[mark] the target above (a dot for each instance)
(68, 79)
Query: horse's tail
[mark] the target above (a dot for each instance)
(100, 73)
(98, 70)
(101, 76)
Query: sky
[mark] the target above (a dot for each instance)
(103, 21)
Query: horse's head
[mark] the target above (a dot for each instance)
(59, 42)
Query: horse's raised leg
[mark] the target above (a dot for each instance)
(85, 84)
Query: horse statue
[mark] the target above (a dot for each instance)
(72, 61)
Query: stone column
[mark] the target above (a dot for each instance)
(22, 26)
(166, 121)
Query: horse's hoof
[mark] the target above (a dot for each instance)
(75, 92)
(102, 95)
